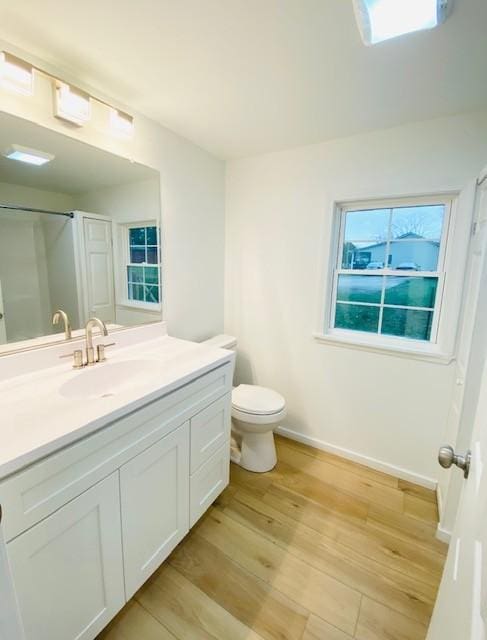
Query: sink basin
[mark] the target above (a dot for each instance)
(108, 379)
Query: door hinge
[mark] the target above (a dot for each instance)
(475, 226)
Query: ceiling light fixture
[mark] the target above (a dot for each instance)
(380, 20)
(72, 104)
(29, 156)
(121, 123)
(16, 75)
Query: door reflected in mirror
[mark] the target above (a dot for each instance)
(79, 234)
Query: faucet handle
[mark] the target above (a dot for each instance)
(100, 351)
(77, 356)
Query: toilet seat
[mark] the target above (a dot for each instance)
(258, 419)
(253, 400)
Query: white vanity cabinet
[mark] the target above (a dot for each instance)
(68, 569)
(87, 525)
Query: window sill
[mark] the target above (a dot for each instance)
(140, 306)
(428, 353)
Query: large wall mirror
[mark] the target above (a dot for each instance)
(79, 233)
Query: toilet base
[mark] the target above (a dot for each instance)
(257, 451)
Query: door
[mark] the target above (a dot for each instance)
(471, 352)
(154, 490)
(461, 607)
(98, 267)
(3, 330)
(68, 569)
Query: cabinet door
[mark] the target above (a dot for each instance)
(155, 505)
(68, 569)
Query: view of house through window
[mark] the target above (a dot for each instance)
(143, 278)
(389, 274)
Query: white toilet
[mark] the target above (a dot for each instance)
(256, 412)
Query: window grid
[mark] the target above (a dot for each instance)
(143, 276)
(385, 272)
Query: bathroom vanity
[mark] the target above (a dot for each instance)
(102, 472)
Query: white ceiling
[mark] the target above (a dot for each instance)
(76, 168)
(240, 77)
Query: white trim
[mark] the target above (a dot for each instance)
(443, 535)
(425, 351)
(373, 463)
(122, 250)
(395, 201)
(439, 502)
(456, 226)
(151, 307)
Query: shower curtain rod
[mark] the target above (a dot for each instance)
(17, 207)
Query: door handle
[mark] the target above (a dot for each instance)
(447, 457)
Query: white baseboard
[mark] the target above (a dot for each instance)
(378, 465)
(439, 502)
(443, 535)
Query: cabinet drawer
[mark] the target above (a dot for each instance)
(208, 482)
(209, 430)
(30, 495)
(68, 569)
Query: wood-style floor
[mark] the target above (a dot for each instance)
(320, 548)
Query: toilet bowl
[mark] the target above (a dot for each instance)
(256, 412)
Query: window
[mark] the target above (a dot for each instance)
(389, 274)
(142, 268)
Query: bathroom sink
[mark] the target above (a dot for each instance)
(107, 379)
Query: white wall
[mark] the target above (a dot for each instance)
(278, 225)
(192, 199)
(125, 202)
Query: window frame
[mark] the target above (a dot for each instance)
(125, 263)
(440, 347)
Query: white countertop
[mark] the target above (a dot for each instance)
(37, 420)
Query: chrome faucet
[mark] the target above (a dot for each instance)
(57, 316)
(90, 352)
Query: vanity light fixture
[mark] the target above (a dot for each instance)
(380, 20)
(15, 74)
(72, 104)
(121, 123)
(29, 156)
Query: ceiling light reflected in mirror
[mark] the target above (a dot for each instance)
(27, 155)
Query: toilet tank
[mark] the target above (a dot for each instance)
(222, 341)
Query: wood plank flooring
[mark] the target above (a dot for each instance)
(320, 548)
